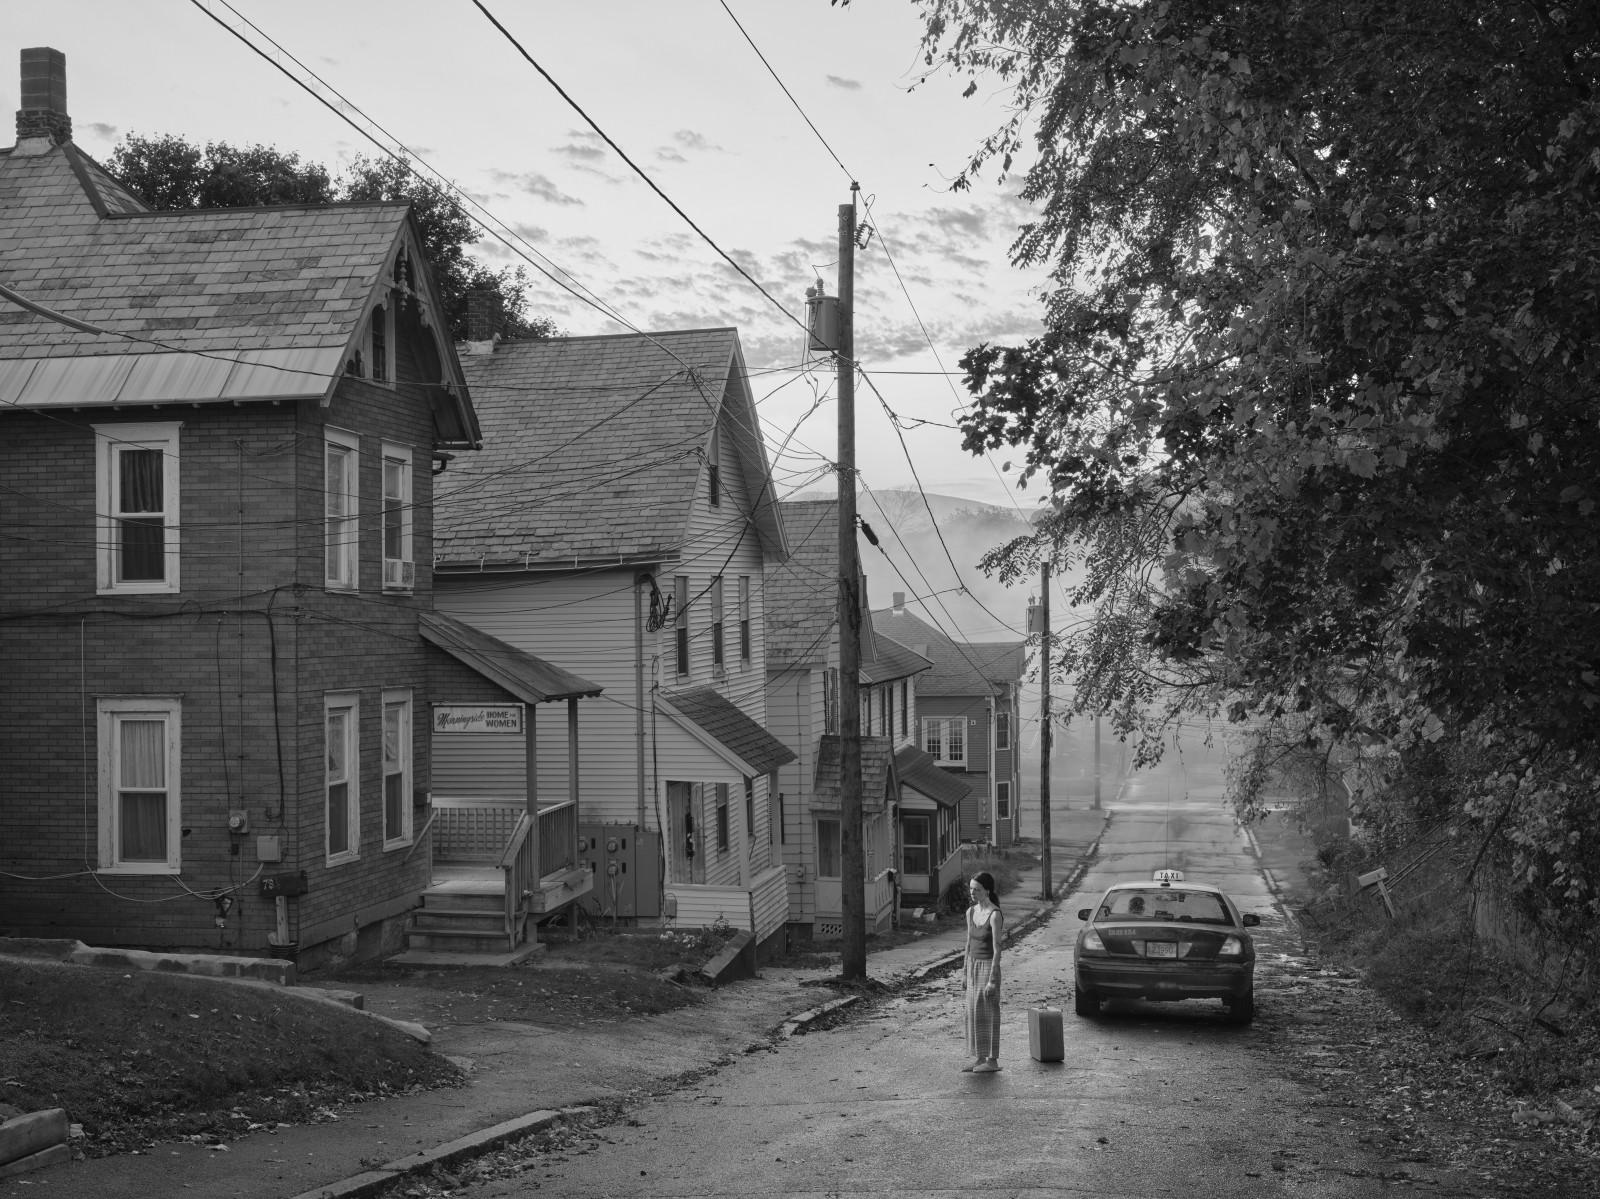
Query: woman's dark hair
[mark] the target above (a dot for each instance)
(986, 880)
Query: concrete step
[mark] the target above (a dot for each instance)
(455, 940)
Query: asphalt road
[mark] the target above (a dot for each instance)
(1153, 1099)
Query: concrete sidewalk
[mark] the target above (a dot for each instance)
(523, 1077)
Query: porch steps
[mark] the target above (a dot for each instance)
(461, 918)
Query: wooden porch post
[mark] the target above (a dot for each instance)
(530, 768)
(572, 770)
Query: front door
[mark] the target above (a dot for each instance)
(684, 835)
(916, 853)
(830, 867)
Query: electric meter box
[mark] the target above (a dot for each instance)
(625, 864)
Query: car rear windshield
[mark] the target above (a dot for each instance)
(1166, 903)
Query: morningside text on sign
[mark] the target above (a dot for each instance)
(465, 718)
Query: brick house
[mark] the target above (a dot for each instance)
(622, 511)
(219, 431)
(967, 715)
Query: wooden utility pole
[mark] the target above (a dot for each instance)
(1046, 739)
(852, 852)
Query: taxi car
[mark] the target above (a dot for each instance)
(1166, 939)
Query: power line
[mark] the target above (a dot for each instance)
(635, 167)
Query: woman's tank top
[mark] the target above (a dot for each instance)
(983, 939)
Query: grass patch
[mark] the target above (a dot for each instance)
(141, 1057)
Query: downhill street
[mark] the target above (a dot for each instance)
(1153, 1099)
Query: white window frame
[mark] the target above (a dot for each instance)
(397, 703)
(349, 705)
(110, 712)
(109, 441)
(1002, 730)
(399, 574)
(937, 728)
(342, 527)
(1002, 801)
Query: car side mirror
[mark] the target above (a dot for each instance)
(1249, 919)
(1083, 913)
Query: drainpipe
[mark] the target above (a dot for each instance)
(638, 695)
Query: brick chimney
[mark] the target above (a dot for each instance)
(481, 321)
(44, 96)
(898, 603)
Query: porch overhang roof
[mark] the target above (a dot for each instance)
(723, 728)
(920, 773)
(879, 781)
(530, 678)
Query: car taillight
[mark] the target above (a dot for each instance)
(1232, 947)
(1091, 940)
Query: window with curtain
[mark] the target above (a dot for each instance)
(136, 501)
(341, 473)
(396, 768)
(139, 746)
(343, 782)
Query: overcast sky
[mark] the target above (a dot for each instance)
(678, 87)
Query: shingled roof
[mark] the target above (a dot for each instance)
(922, 774)
(802, 607)
(131, 306)
(877, 774)
(527, 676)
(719, 719)
(594, 447)
(959, 667)
(802, 594)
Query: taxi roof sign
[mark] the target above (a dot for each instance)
(1169, 876)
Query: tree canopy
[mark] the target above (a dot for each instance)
(1317, 392)
(169, 172)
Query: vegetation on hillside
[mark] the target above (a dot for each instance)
(1317, 398)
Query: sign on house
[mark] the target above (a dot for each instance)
(477, 718)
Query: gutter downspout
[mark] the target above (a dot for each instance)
(638, 696)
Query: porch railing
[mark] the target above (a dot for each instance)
(518, 863)
(558, 838)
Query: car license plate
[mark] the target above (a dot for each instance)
(1160, 949)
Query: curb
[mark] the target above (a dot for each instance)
(378, 1179)
(381, 1179)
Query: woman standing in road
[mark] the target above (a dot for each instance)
(985, 927)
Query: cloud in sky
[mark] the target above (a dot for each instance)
(535, 186)
(849, 85)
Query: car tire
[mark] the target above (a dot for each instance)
(1085, 1003)
(1242, 1009)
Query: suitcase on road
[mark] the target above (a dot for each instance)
(1044, 1034)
